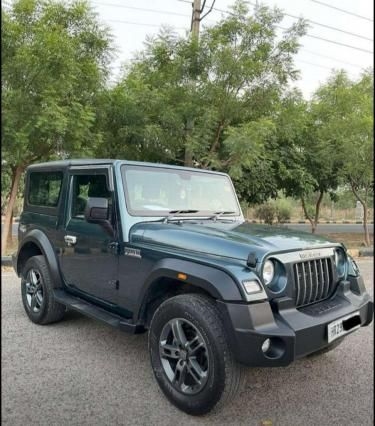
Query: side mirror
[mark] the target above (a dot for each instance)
(96, 210)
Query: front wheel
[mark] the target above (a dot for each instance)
(190, 356)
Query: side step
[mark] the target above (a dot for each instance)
(93, 311)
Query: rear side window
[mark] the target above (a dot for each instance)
(45, 188)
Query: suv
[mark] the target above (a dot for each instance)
(166, 249)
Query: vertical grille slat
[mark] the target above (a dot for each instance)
(316, 280)
(326, 277)
(303, 280)
(298, 284)
(321, 278)
(313, 281)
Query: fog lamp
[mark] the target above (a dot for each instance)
(266, 345)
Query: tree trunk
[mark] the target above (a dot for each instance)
(188, 159)
(313, 220)
(365, 227)
(16, 176)
(307, 215)
(216, 141)
(363, 201)
(317, 210)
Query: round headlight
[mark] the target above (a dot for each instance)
(340, 261)
(268, 271)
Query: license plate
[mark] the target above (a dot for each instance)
(343, 326)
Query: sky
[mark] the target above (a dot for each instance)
(130, 24)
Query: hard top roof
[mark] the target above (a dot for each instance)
(62, 164)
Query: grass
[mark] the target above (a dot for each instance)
(351, 241)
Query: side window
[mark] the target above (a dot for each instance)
(44, 188)
(85, 186)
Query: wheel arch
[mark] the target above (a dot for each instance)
(164, 282)
(37, 243)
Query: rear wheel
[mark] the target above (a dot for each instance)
(37, 293)
(190, 356)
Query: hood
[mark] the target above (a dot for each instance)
(232, 240)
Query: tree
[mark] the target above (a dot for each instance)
(54, 60)
(344, 110)
(240, 67)
(307, 164)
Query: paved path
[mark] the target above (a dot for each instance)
(82, 372)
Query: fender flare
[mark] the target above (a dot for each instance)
(41, 240)
(216, 282)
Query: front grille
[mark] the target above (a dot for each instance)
(313, 281)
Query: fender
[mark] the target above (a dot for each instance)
(218, 283)
(40, 239)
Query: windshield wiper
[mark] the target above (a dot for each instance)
(216, 215)
(178, 213)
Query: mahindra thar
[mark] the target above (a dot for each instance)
(166, 249)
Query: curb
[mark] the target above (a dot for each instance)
(6, 261)
(366, 251)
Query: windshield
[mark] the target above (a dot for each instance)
(158, 191)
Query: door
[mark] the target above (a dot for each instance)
(89, 260)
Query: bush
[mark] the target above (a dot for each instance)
(266, 212)
(283, 210)
(280, 210)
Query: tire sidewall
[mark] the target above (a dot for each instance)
(207, 398)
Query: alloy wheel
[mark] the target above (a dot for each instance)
(184, 356)
(34, 290)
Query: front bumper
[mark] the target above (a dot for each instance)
(294, 333)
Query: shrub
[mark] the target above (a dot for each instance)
(283, 210)
(266, 212)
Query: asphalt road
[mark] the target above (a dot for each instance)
(323, 228)
(332, 228)
(81, 372)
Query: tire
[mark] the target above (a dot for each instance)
(203, 375)
(327, 349)
(37, 293)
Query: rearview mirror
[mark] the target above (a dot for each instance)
(96, 210)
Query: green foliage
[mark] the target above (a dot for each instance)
(266, 212)
(344, 119)
(54, 59)
(283, 210)
(344, 109)
(213, 99)
(279, 210)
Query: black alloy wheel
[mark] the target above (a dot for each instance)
(34, 290)
(191, 356)
(184, 356)
(37, 290)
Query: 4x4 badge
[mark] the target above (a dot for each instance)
(133, 252)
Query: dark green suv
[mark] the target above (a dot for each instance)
(165, 249)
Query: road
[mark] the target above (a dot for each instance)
(332, 228)
(323, 228)
(82, 372)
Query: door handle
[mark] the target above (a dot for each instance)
(113, 247)
(70, 240)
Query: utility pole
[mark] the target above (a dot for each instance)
(196, 19)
